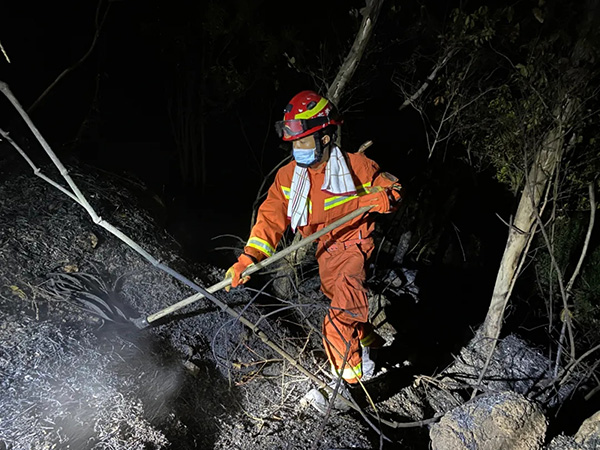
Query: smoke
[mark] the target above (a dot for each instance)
(63, 387)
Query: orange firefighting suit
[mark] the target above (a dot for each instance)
(341, 253)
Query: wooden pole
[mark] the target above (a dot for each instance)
(142, 323)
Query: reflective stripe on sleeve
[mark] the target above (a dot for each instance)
(338, 200)
(332, 202)
(362, 190)
(261, 245)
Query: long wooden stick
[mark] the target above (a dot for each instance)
(142, 323)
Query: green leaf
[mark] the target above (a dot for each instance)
(522, 70)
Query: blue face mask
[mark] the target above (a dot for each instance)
(305, 156)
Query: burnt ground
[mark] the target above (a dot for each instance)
(198, 379)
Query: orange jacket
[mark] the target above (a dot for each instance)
(324, 207)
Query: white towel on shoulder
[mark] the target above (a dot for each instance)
(338, 181)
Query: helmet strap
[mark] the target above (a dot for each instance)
(320, 148)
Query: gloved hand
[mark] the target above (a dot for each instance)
(396, 193)
(235, 271)
(378, 197)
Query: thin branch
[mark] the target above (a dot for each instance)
(559, 277)
(477, 97)
(99, 24)
(587, 237)
(36, 170)
(566, 315)
(450, 115)
(4, 53)
(429, 79)
(565, 377)
(338, 384)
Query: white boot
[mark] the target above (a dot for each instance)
(368, 363)
(319, 398)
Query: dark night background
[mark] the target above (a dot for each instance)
(122, 90)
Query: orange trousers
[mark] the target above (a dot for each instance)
(346, 325)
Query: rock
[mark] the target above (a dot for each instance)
(516, 366)
(586, 438)
(563, 442)
(491, 422)
(588, 435)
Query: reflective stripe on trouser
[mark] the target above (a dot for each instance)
(342, 272)
(349, 373)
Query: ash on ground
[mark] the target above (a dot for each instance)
(197, 379)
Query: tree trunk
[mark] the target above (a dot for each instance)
(543, 166)
(370, 13)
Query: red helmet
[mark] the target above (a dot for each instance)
(306, 114)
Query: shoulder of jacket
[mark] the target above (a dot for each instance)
(361, 161)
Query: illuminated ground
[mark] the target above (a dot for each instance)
(71, 380)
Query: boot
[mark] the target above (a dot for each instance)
(369, 355)
(319, 398)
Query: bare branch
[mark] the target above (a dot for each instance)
(587, 237)
(99, 24)
(370, 13)
(4, 53)
(36, 170)
(576, 363)
(446, 57)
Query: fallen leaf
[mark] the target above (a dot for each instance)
(16, 290)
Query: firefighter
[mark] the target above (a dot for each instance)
(320, 185)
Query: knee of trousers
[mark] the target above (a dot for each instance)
(350, 303)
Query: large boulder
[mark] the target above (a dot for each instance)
(515, 366)
(586, 438)
(491, 422)
(563, 442)
(588, 435)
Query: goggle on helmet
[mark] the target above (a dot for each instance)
(304, 115)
